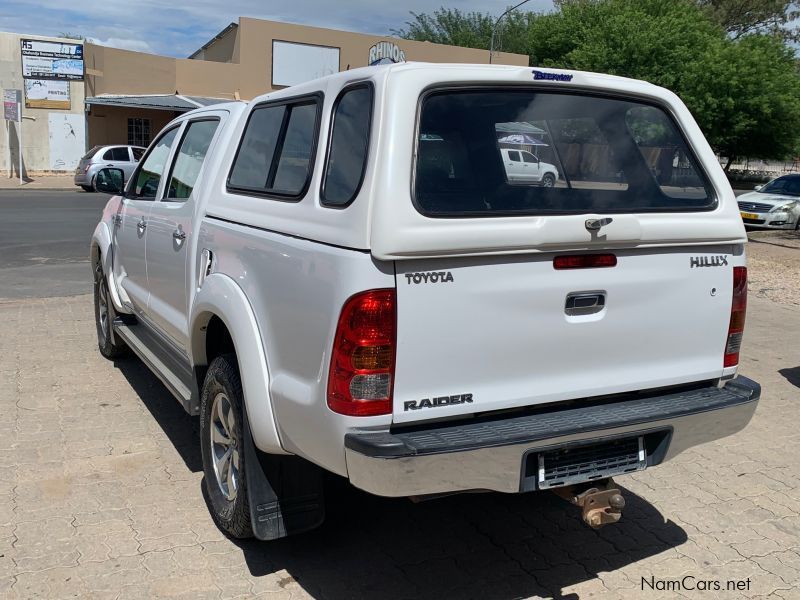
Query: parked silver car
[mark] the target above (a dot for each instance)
(775, 205)
(120, 157)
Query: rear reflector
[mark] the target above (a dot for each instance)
(584, 261)
(362, 361)
(738, 310)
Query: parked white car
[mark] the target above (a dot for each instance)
(525, 167)
(775, 205)
(338, 276)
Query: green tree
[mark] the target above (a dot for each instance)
(469, 29)
(742, 87)
(743, 17)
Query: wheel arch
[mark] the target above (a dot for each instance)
(221, 310)
(100, 251)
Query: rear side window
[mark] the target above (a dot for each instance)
(117, 155)
(137, 153)
(578, 154)
(347, 154)
(276, 154)
(91, 153)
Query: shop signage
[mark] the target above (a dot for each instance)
(47, 93)
(11, 101)
(384, 53)
(51, 60)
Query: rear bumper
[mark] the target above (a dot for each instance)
(488, 455)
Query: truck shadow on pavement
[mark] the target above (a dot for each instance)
(488, 546)
(792, 375)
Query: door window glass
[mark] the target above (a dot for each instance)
(119, 155)
(529, 158)
(347, 156)
(149, 174)
(189, 158)
(137, 153)
(513, 155)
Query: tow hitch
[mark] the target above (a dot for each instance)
(600, 504)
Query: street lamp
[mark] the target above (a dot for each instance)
(494, 29)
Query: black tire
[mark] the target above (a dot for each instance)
(548, 180)
(87, 188)
(104, 317)
(222, 391)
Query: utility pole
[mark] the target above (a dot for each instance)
(494, 29)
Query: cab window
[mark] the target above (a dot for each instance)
(189, 158)
(149, 174)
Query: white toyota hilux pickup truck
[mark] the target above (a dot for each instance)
(338, 276)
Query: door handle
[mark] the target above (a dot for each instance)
(141, 225)
(117, 220)
(179, 235)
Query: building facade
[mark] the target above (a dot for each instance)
(127, 97)
(52, 93)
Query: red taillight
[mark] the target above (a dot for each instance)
(584, 261)
(86, 168)
(362, 361)
(738, 310)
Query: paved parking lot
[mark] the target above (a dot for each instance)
(100, 497)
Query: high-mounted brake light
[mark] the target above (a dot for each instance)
(738, 310)
(362, 361)
(584, 261)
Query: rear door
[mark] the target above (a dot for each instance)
(520, 327)
(170, 231)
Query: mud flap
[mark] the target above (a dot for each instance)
(285, 492)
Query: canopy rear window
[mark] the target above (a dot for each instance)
(507, 152)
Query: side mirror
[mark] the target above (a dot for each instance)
(110, 181)
(758, 187)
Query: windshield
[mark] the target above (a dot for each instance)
(787, 186)
(506, 152)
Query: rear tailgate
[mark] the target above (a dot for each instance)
(487, 333)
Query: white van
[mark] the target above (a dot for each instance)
(341, 276)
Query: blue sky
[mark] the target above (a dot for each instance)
(178, 29)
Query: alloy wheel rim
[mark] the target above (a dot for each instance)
(102, 305)
(224, 446)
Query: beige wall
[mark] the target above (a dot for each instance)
(36, 155)
(109, 124)
(248, 47)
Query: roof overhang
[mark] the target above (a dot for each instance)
(171, 102)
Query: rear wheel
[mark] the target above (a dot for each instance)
(548, 180)
(222, 443)
(104, 317)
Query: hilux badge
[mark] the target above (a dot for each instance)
(708, 261)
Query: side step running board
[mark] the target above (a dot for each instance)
(167, 376)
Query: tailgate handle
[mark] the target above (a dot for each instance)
(580, 303)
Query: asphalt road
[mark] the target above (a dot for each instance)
(44, 242)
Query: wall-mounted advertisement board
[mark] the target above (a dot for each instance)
(51, 60)
(47, 93)
(294, 63)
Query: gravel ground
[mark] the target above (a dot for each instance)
(773, 258)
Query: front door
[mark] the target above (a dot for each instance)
(130, 229)
(170, 235)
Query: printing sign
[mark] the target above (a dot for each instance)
(51, 60)
(11, 100)
(384, 53)
(46, 93)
